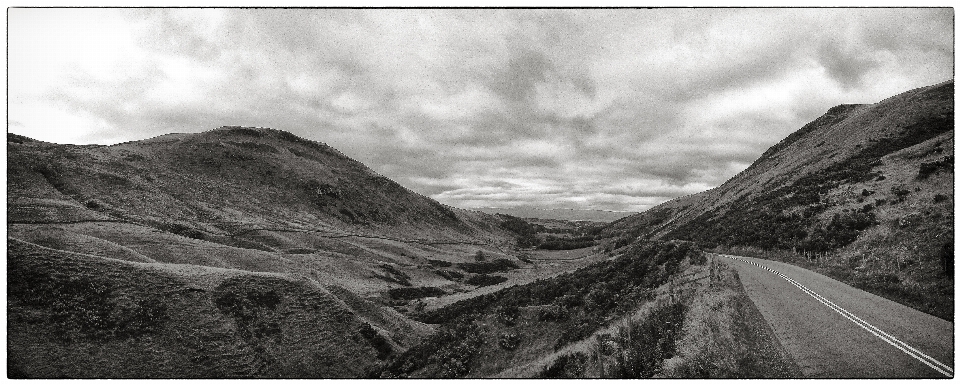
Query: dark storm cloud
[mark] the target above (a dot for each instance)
(604, 109)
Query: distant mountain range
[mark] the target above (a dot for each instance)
(561, 214)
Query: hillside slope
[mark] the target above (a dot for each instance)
(866, 189)
(236, 252)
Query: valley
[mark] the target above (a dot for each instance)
(245, 252)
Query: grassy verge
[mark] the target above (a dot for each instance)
(935, 298)
(725, 336)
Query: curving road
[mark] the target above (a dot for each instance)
(834, 330)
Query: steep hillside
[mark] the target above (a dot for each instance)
(237, 252)
(865, 189)
(222, 182)
(82, 316)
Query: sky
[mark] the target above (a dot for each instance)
(606, 109)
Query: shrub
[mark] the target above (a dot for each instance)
(409, 293)
(566, 366)
(449, 274)
(494, 266)
(393, 275)
(928, 168)
(508, 315)
(552, 313)
(253, 307)
(485, 280)
(439, 263)
(938, 198)
(900, 192)
(479, 256)
(509, 341)
(379, 343)
(185, 231)
(646, 344)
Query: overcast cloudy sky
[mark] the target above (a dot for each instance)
(602, 109)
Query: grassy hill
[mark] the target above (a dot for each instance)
(237, 252)
(864, 193)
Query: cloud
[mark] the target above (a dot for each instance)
(615, 109)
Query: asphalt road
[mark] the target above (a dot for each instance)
(834, 330)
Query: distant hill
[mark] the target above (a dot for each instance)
(866, 189)
(562, 214)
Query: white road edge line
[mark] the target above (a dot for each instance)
(903, 346)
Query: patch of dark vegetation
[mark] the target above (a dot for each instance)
(393, 275)
(566, 366)
(85, 308)
(510, 340)
(183, 230)
(643, 346)
(93, 204)
(300, 251)
(452, 275)
(253, 303)
(439, 263)
(929, 168)
(526, 233)
(508, 315)
(552, 313)
(448, 353)
(497, 265)
(379, 342)
(18, 139)
(485, 280)
(411, 293)
(557, 243)
(579, 303)
(55, 175)
(245, 131)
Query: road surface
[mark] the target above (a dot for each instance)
(833, 330)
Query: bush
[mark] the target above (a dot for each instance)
(185, 231)
(566, 366)
(552, 314)
(379, 343)
(410, 293)
(254, 307)
(509, 341)
(900, 192)
(488, 267)
(645, 345)
(393, 275)
(938, 198)
(508, 315)
(485, 280)
(439, 263)
(451, 275)
(928, 168)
